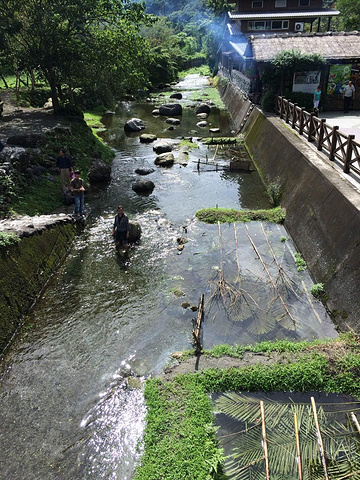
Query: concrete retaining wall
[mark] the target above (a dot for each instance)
(323, 209)
(26, 267)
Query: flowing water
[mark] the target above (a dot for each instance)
(71, 401)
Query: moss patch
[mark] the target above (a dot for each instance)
(225, 215)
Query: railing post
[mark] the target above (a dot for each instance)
(333, 144)
(311, 128)
(294, 115)
(287, 112)
(321, 134)
(350, 138)
(301, 121)
(281, 107)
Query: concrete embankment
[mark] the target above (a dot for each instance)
(25, 267)
(322, 208)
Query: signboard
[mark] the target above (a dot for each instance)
(339, 75)
(306, 81)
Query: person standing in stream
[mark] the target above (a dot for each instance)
(121, 228)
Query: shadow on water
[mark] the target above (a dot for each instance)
(67, 407)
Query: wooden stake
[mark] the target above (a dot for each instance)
(237, 257)
(298, 458)
(196, 331)
(264, 440)
(320, 442)
(356, 421)
(216, 149)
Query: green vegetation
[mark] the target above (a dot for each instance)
(7, 239)
(211, 95)
(274, 192)
(226, 215)
(38, 198)
(179, 436)
(318, 290)
(300, 262)
(188, 144)
(200, 70)
(180, 439)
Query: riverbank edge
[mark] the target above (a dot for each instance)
(322, 208)
(180, 439)
(27, 266)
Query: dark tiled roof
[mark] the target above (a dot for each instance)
(331, 45)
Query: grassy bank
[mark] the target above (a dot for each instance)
(44, 195)
(180, 441)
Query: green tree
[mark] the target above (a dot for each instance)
(349, 14)
(65, 39)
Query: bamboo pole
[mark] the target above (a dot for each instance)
(298, 451)
(216, 149)
(356, 421)
(270, 277)
(264, 440)
(319, 437)
(237, 257)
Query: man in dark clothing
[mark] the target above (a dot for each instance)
(64, 164)
(77, 187)
(121, 228)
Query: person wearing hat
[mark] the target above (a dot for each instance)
(77, 187)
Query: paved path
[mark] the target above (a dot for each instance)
(348, 123)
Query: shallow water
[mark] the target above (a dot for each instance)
(67, 408)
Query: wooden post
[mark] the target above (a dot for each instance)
(311, 128)
(347, 162)
(301, 121)
(320, 442)
(264, 440)
(298, 451)
(294, 115)
(321, 134)
(198, 165)
(333, 144)
(281, 107)
(355, 420)
(196, 331)
(287, 112)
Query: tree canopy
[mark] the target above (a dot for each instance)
(81, 44)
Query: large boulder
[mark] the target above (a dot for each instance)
(143, 186)
(27, 140)
(134, 125)
(173, 121)
(170, 109)
(99, 171)
(134, 232)
(162, 146)
(177, 95)
(144, 171)
(147, 138)
(203, 108)
(203, 123)
(165, 160)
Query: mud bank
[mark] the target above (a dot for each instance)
(323, 209)
(27, 266)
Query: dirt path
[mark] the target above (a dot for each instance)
(15, 119)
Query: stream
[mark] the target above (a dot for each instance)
(71, 401)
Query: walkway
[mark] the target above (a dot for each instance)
(348, 123)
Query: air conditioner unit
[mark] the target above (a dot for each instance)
(299, 27)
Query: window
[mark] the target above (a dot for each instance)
(279, 24)
(304, 3)
(280, 3)
(259, 25)
(257, 4)
(269, 25)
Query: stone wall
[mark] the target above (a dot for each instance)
(323, 209)
(26, 267)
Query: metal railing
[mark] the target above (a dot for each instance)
(339, 146)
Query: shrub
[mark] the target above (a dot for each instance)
(274, 192)
(268, 101)
(318, 291)
(7, 239)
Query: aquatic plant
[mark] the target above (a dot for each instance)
(7, 239)
(300, 262)
(317, 290)
(227, 215)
